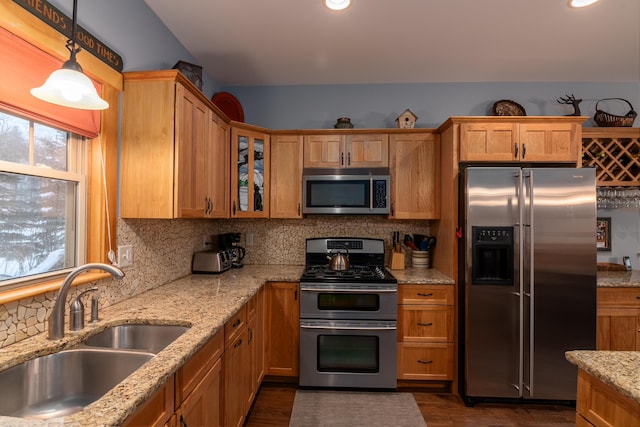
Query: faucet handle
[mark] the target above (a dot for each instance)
(94, 309)
(76, 311)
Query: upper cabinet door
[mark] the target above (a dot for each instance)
(250, 164)
(367, 150)
(549, 142)
(526, 139)
(488, 142)
(218, 173)
(191, 147)
(346, 151)
(286, 176)
(415, 176)
(323, 151)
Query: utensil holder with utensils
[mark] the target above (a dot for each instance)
(421, 259)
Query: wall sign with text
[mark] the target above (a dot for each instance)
(53, 17)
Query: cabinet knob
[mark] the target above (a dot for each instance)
(425, 362)
(298, 209)
(342, 159)
(349, 159)
(234, 207)
(524, 151)
(515, 146)
(425, 324)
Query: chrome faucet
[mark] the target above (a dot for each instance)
(56, 319)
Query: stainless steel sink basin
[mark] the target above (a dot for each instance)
(62, 383)
(151, 338)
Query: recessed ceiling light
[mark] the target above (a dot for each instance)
(581, 3)
(337, 4)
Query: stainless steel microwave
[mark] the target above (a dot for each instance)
(345, 191)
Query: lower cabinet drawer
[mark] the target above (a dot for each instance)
(425, 361)
(424, 323)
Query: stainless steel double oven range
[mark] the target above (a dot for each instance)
(348, 318)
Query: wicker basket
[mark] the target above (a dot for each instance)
(604, 119)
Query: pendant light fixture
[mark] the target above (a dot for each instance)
(68, 86)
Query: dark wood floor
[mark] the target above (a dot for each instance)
(274, 402)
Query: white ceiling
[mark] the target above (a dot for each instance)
(293, 42)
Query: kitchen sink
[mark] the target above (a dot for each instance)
(150, 338)
(63, 383)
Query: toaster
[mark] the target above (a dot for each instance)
(211, 261)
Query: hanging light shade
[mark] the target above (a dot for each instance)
(68, 86)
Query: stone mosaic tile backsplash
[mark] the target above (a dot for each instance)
(162, 251)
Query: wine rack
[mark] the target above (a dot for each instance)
(615, 153)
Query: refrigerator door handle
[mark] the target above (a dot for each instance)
(531, 280)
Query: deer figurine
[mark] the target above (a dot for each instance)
(571, 100)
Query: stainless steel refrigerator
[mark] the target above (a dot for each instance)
(529, 272)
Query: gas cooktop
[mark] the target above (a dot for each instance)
(366, 261)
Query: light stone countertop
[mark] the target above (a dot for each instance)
(618, 369)
(619, 279)
(411, 275)
(204, 302)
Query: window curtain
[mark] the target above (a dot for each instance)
(23, 67)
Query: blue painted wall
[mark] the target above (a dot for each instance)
(133, 30)
(377, 106)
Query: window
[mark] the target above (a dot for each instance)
(42, 200)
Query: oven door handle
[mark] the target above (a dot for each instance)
(350, 291)
(351, 328)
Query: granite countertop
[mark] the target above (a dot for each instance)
(430, 276)
(619, 279)
(618, 369)
(203, 302)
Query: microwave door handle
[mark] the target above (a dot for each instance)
(370, 192)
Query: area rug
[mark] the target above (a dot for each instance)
(313, 408)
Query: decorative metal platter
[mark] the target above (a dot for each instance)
(506, 107)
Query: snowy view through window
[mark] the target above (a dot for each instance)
(38, 199)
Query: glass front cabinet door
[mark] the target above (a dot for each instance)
(250, 173)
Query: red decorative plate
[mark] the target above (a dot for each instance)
(229, 105)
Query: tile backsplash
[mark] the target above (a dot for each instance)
(162, 251)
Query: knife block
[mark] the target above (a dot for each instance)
(397, 261)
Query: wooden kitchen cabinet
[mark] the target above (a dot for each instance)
(173, 148)
(199, 383)
(598, 404)
(237, 381)
(619, 319)
(192, 395)
(286, 176)
(157, 410)
(520, 139)
(256, 342)
(425, 332)
(249, 172)
(203, 406)
(282, 324)
(353, 150)
(415, 176)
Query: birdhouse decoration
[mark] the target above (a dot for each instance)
(406, 120)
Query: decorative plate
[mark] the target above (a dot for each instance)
(229, 105)
(506, 107)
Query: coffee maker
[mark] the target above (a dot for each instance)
(231, 243)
